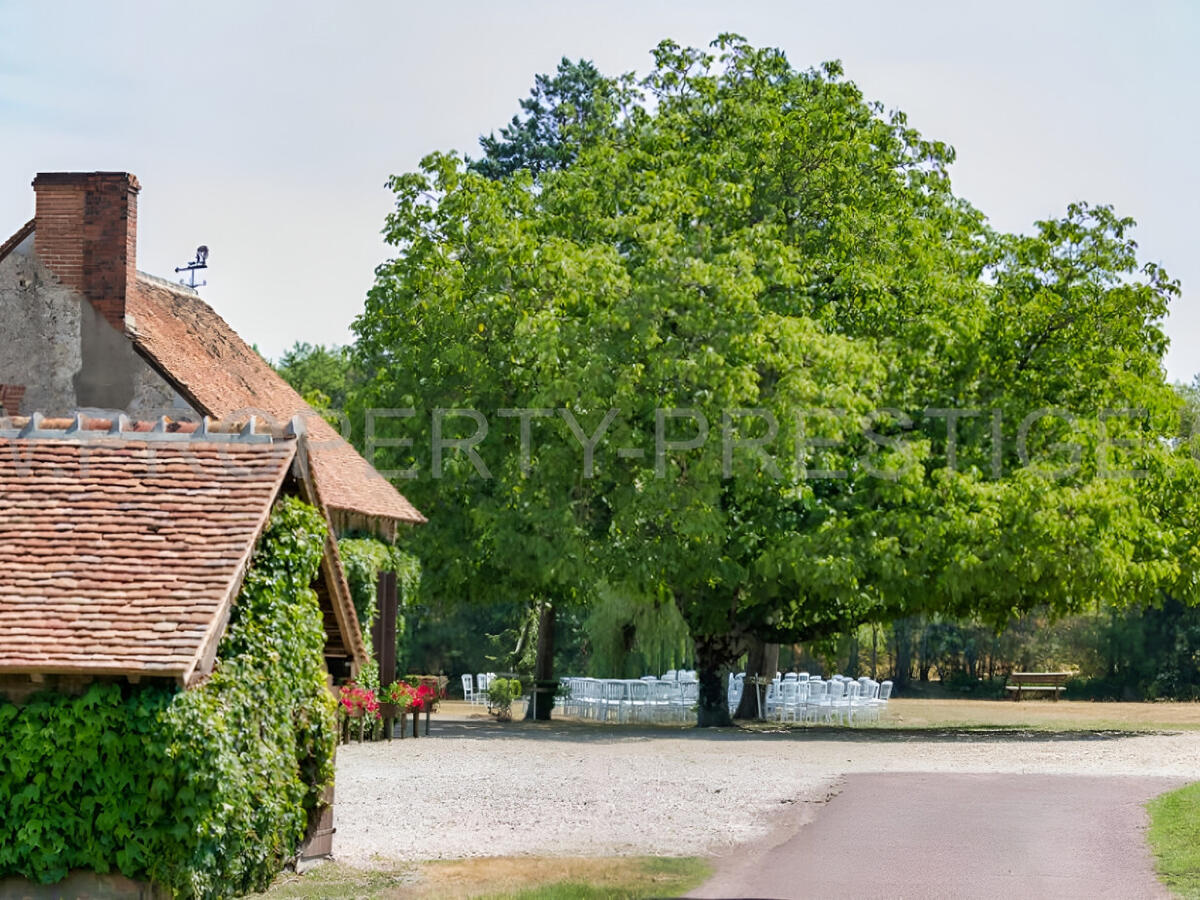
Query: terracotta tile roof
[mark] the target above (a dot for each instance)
(121, 555)
(216, 371)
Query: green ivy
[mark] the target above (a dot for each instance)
(363, 558)
(205, 791)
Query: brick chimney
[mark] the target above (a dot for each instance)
(85, 232)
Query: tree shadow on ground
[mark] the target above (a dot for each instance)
(575, 731)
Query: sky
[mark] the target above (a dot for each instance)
(267, 131)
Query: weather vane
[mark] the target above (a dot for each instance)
(200, 262)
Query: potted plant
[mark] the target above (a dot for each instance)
(398, 699)
(425, 697)
(357, 702)
(501, 693)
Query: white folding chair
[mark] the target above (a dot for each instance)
(817, 690)
(850, 693)
(879, 702)
(613, 699)
(788, 700)
(661, 707)
(771, 702)
(734, 693)
(481, 687)
(567, 698)
(468, 684)
(594, 691)
(865, 703)
(831, 697)
(637, 697)
(834, 694)
(689, 696)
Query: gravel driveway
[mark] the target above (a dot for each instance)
(479, 788)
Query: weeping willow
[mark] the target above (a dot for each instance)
(631, 636)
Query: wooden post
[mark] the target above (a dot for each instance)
(383, 629)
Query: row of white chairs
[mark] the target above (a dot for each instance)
(475, 689)
(647, 699)
(793, 697)
(800, 697)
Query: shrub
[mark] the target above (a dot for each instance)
(961, 684)
(206, 791)
(501, 693)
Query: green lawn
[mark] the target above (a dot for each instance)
(1175, 839)
(646, 877)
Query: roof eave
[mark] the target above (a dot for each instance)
(173, 672)
(15, 241)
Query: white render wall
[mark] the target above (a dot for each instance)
(66, 355)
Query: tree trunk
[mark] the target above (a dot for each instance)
(543, 667)
(514, 662)
(923, 661)
(902, 634)
(714, 654)
(762, 659)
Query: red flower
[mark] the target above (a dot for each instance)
(357, 701)
(425, 696)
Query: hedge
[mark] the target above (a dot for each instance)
(206, 791)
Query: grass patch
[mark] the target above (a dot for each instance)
(338, 882)
(1040, 715)
(508, 878)
(503, 878)
(1175, 839)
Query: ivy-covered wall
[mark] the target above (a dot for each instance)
(206, 791)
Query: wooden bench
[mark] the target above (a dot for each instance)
(1020, 682)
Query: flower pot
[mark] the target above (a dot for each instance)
(389, 712)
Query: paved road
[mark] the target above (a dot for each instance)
(961, 836)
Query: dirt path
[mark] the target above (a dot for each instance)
(961, 836)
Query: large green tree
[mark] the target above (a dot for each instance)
(737, 316)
